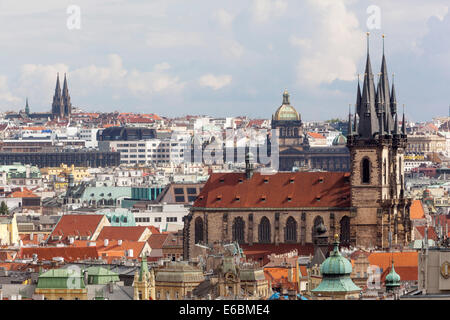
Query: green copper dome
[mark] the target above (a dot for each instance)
(340, 140)
(286, 111)
(392, 279)
(335, 272)
(336, 264)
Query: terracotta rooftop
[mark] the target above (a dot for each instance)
(279, 190)
(68, 253)
(77, 225)
(156, 241)
(401, 259)
(416, 210)
(122, 233)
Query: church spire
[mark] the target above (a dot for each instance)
(57, 105)
(393, 100)
(368, 124)
(66, 98)
(358, 99)
(27, 108)
(403, 122)
(380, 107)
(350, 130)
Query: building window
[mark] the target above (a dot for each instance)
(264, 231)
(238, 230)
(345, 231)
(290, 233)
(366, 170)
(198, 230)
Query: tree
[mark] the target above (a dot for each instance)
(3, 209)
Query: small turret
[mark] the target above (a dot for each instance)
(249, 165)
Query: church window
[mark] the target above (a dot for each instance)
(238, 230)
(198, 230)
(264, 231)
(366, 170)
(290, 234)
(345, 231)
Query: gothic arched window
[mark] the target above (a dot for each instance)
(238, 230)
(317, 228)
(345, 231)
(365, 170)
(198, 230)
(290, 232)
(264, 231)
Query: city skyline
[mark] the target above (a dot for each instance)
(222, 59)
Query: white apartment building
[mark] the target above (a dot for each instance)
(166, 217)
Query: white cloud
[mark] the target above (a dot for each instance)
(215, 82)
(171, 39)
(263, 10)
(224, 18)
(335, 48)
(6, 96)
(38, 81)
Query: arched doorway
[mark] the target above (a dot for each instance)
(198, 230)
(264, 231)
(290, 232)
(238, 230)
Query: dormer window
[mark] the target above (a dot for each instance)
(292, 180)
(222, 180)
(241, 180)
(289, 198)
(317, 198)
(219, 197)
(237, 198)
(321, 179)
(266, 180)
(263, 198)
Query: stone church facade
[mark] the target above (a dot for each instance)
(367, 206)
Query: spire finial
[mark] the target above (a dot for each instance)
(368, 34)
(383, 42)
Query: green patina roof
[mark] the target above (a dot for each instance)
(144, 267)
(392, 279)
(100, 275)
(99, 193)
(336, 272)
(338, 284)
(19, 171)
(61, 279)
(336, 264)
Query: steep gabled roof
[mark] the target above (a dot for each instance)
(77, 225)
(279, 190)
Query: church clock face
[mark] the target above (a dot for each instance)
(229, 277)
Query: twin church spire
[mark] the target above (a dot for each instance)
(376, 109)
(61, 106)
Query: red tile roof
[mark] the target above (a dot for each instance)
(431, 232)
(316, 135)
(401, 259)
(76, 225)
(25, 193)
(156, 241)
(416, 211)
(304, 189)
(121, 233)
(68, 253)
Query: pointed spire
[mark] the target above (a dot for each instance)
(368, 124)
(27, 107)
(355, 122)
(358, 99)
(396, 132)
(403, 122)
(380, 107)
(393, 100)
(350, 131)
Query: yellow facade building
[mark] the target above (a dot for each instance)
(9, 234)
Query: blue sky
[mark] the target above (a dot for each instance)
(222, 58)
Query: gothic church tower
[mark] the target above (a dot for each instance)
(377, 148)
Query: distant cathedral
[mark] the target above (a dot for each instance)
(61, 106)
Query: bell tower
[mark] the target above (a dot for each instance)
(377, 151)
